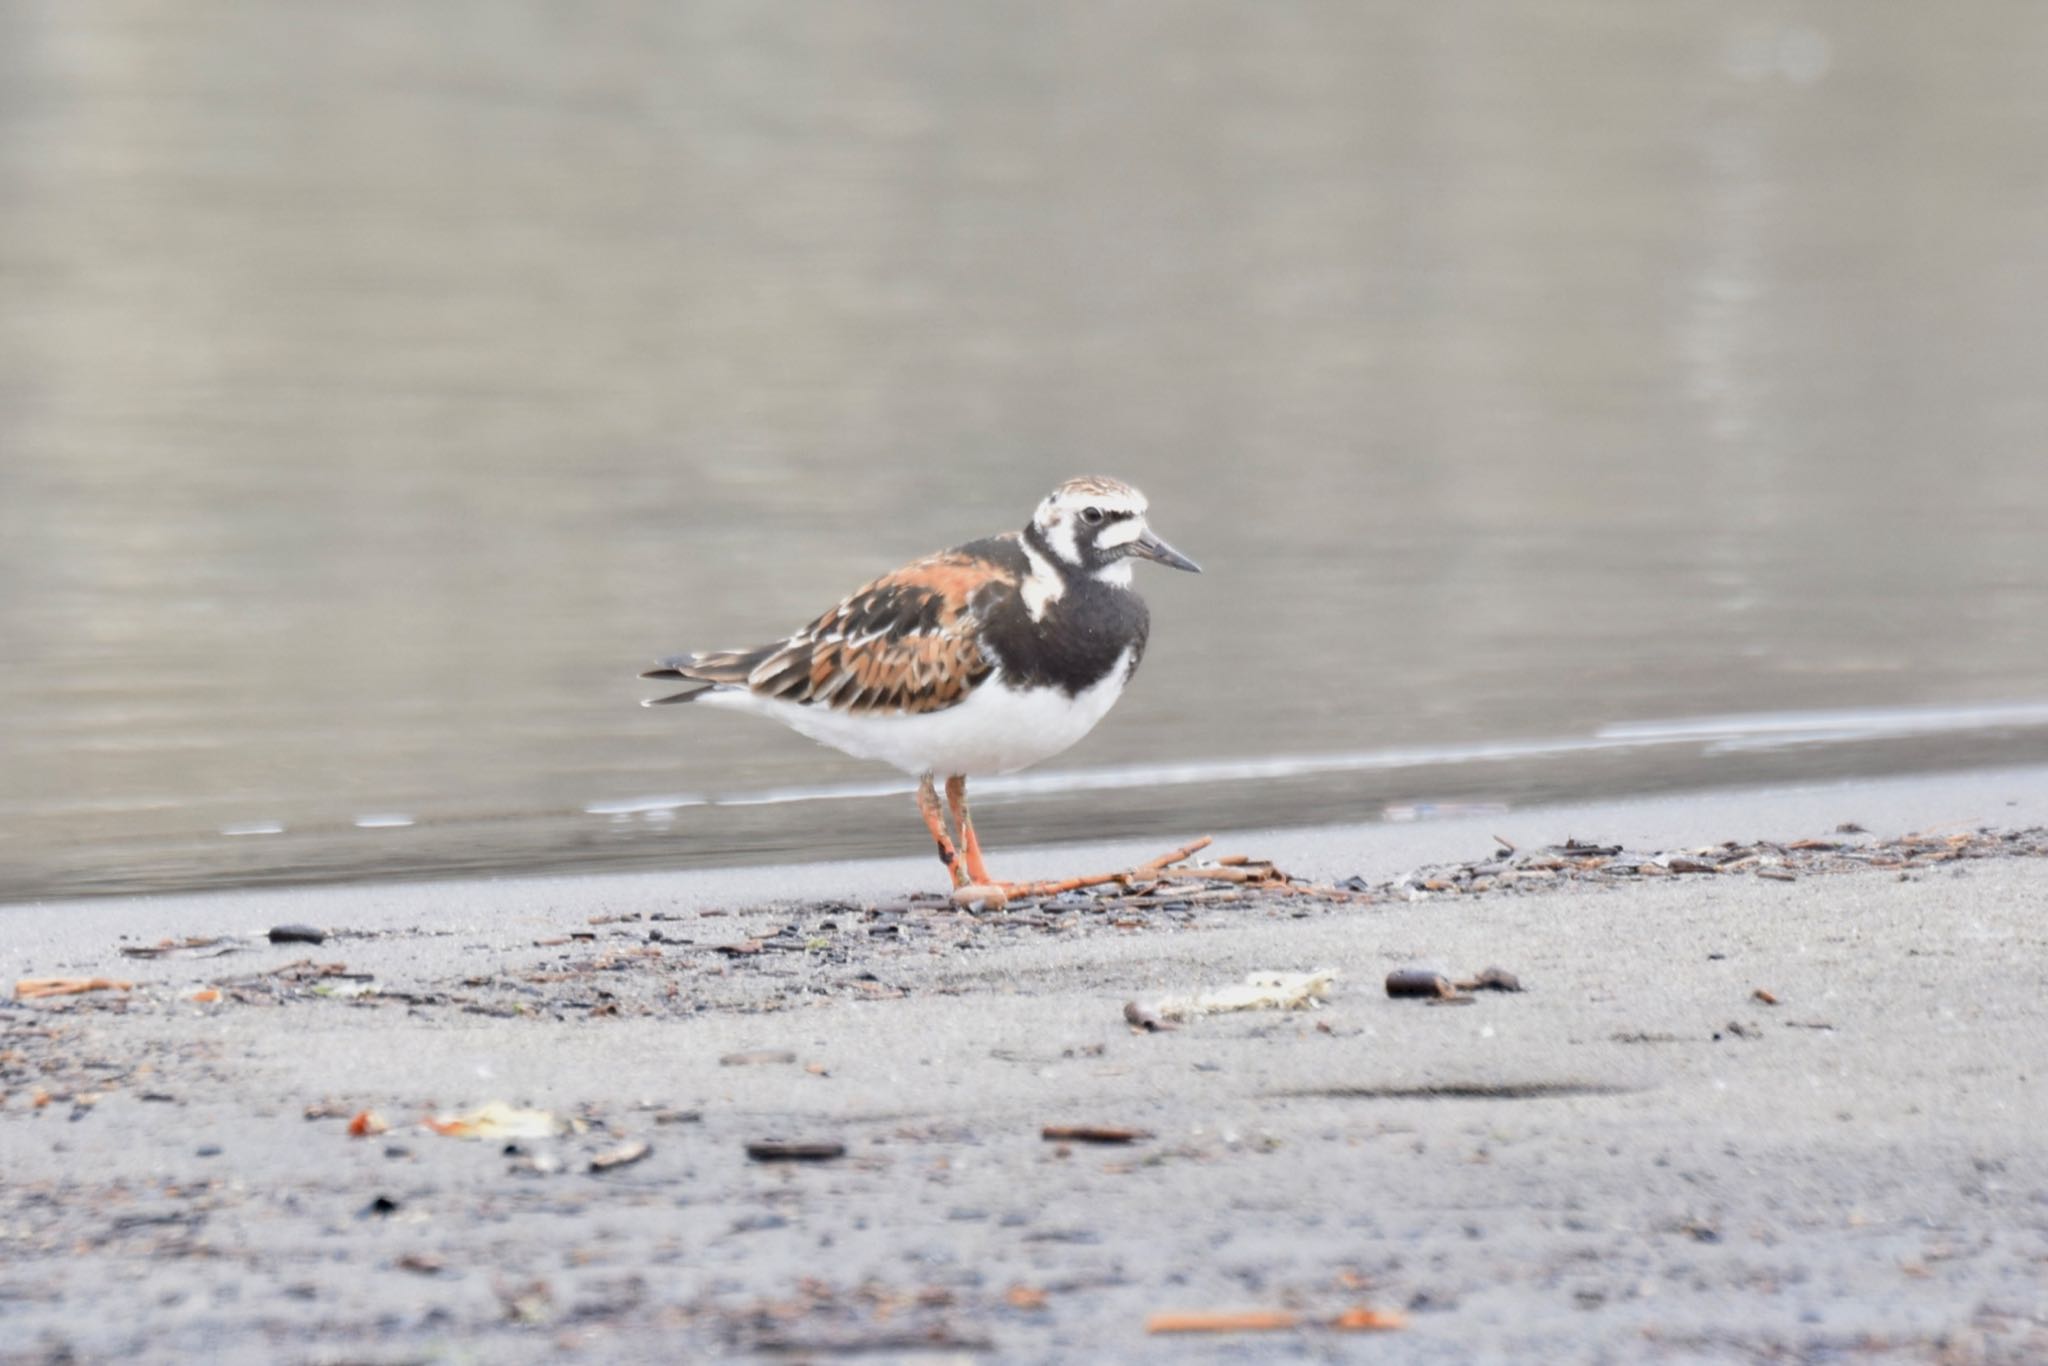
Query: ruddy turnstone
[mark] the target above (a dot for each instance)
(979, 660)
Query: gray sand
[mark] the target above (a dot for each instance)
(1634, 1159)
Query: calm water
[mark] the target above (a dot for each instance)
(381, 385)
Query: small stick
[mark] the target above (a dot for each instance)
(1249, 1321)
(1176, 855)
(31, 988)
(1152, 868)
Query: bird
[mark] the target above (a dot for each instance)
(973, 662)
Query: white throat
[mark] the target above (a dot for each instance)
(1117, 572)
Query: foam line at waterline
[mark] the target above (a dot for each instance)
(1735, 733)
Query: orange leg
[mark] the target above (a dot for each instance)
(935, 821)
(970, 847)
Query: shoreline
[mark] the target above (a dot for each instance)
(1638, 1156)
(838, 824)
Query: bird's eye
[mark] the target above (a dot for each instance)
(1092, 516)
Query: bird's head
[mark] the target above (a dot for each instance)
(1097, 525)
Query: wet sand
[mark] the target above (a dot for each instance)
(1636, 1158)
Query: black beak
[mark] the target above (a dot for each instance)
(1151, 547)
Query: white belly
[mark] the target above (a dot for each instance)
(994, 731)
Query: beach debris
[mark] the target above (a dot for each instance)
(189, 948)
(892, 1346)
(981, 897)
(297, 934)
(1582, 863)
(625, 1155)
(1025, 1297)
(205, 996)
(1227, 1321)
(678, 1116)
(1258, 991)
(36, 988)
(1092, 1133)
(778, 1150)
(1419, 982)
(757, 1057)
(1146, 1018)
(1764, 996)
(1492, 979)
(526, 1163)
(366, 1124)
(1271, 1321)
(499, 1120)
(857, 942)
(1149, 871)
(422, 1264)
(348, 990)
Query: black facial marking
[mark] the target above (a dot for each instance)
(1035, 538)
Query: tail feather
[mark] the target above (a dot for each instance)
(710, 671)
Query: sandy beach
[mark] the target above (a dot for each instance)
(1772, 1109)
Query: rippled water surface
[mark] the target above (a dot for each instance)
(1565, 399)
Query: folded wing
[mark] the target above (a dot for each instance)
(909, 642)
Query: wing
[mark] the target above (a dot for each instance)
(909, 642)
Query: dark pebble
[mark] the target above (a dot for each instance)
(1493, 979)
(380, 1207)
(1418, 982)
(297, 934)
(209, 1150)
